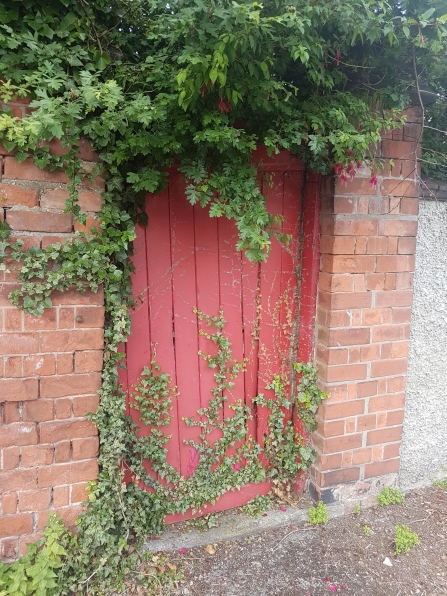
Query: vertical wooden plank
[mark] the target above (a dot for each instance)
(270, 289)
(158, 244)
(208, 296)
(310, 266)
(250, 295)
(185, 321)
(139, 347)
(230, 272)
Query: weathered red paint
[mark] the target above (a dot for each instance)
(184, 260)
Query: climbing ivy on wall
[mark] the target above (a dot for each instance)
(199, 84)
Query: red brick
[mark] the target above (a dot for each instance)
(342, 443)
(409, 170)
(19, 343)
(79, 493)
(367, 389)
(39, 221)
(340, 476)
(398, 149)
(87, 228)
(400, 188)
(392, 450)
(401, 315)
(404, 281)
(349, 264)
(85, 405)
(350, 372)
(89, 316)
(369, 353)
(51, 432)
(406, 246)
(336, 283)
(376, 316)
(338, 245)
(386, 402)
(13, 367)
(391, 263)
(394, 418)
(67, 473)
(28, 171)
(67, 385)
(361, 456)
(61, 495)
(355, 227)
(332, 356)
(15, 525)
(13, 317)
(358, 186)
(397, 227)
(38, 410)
(391, 332)
(37, 455)
(39, 365)
(345, 300)
(11, 413)
(62, 408)
(9, 549)
(381, 468)
(35, 500)
(18, 389)
(45, 321)
(384, 435)
(397, 349)
(85, 149)
(409, 206)
(86, 448)
(366, 422)
(377, 245)
(332, 411)
(66, 318)
(15, 195)
(17, 479)
(11, 457)
(383, 368)
(78, 339)
(18, 434)
(62, 452)
(348, 337)
(52, 239)
(9, 503)
(88, 361)
(65, 364)
(394, 298)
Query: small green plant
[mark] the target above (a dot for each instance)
(205, 522)
(404, 539)
(440, 483)
(356, 510)
(257, 506)
(367, 530)
(318, 514)
(390, 496)
(35, 573)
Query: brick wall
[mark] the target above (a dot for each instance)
(49, 366)
(363, 321)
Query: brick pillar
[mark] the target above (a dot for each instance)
(50, 366)
(363, 321)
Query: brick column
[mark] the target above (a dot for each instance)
(363, 321)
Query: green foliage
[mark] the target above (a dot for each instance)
(356, 510)
(442, 483)
(309, 396)
(390, 496)
(257, 506)
(317, 515)
(367, 530)
(404, 540)
(36, 573)
(204, 522)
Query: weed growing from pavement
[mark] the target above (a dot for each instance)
(257, 506)
(356, 510)
(318, 514)
(404, 539)
(390, 496)
(366, 530)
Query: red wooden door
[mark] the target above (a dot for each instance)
(186, 261)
